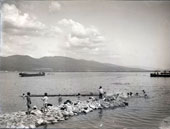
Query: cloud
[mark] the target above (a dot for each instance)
(80, 37)
(13, 16)
(54, 6)
(17, 23)
(25, 34)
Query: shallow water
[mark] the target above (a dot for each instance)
(143, 113)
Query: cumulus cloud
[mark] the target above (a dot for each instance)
(14, 17)
(80, 37)
(17, 23)
(25, 34)
(54, 6)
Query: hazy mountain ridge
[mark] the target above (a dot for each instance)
(57, 64)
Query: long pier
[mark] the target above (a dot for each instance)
(63, 95)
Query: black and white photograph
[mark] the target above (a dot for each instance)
(85, 64)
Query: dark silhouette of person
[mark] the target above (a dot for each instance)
(28, 99)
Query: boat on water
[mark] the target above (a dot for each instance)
(31, 74)
(160, 74)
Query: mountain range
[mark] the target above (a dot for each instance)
(58, 64)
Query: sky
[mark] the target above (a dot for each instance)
(126, 33)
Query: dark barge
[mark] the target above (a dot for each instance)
(31, 74)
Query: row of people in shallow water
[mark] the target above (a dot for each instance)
(102, 95)
(130, 94)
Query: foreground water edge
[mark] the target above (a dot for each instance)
(62, 112)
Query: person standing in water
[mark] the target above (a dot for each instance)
(101, 92)
(28, 99)
(59, 99)
(45, 101)
(78, 96)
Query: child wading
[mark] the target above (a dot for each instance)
(45, 101)
(28, 102)
(101, 92)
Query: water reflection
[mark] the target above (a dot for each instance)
(100, 113)
(45, 126)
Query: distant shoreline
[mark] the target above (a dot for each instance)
(61, 64)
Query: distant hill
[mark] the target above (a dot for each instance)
(57, 64)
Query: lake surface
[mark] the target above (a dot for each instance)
(141, 113)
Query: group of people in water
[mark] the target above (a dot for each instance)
(102, 95)
(44, 99)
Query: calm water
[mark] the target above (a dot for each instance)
(144, 113)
